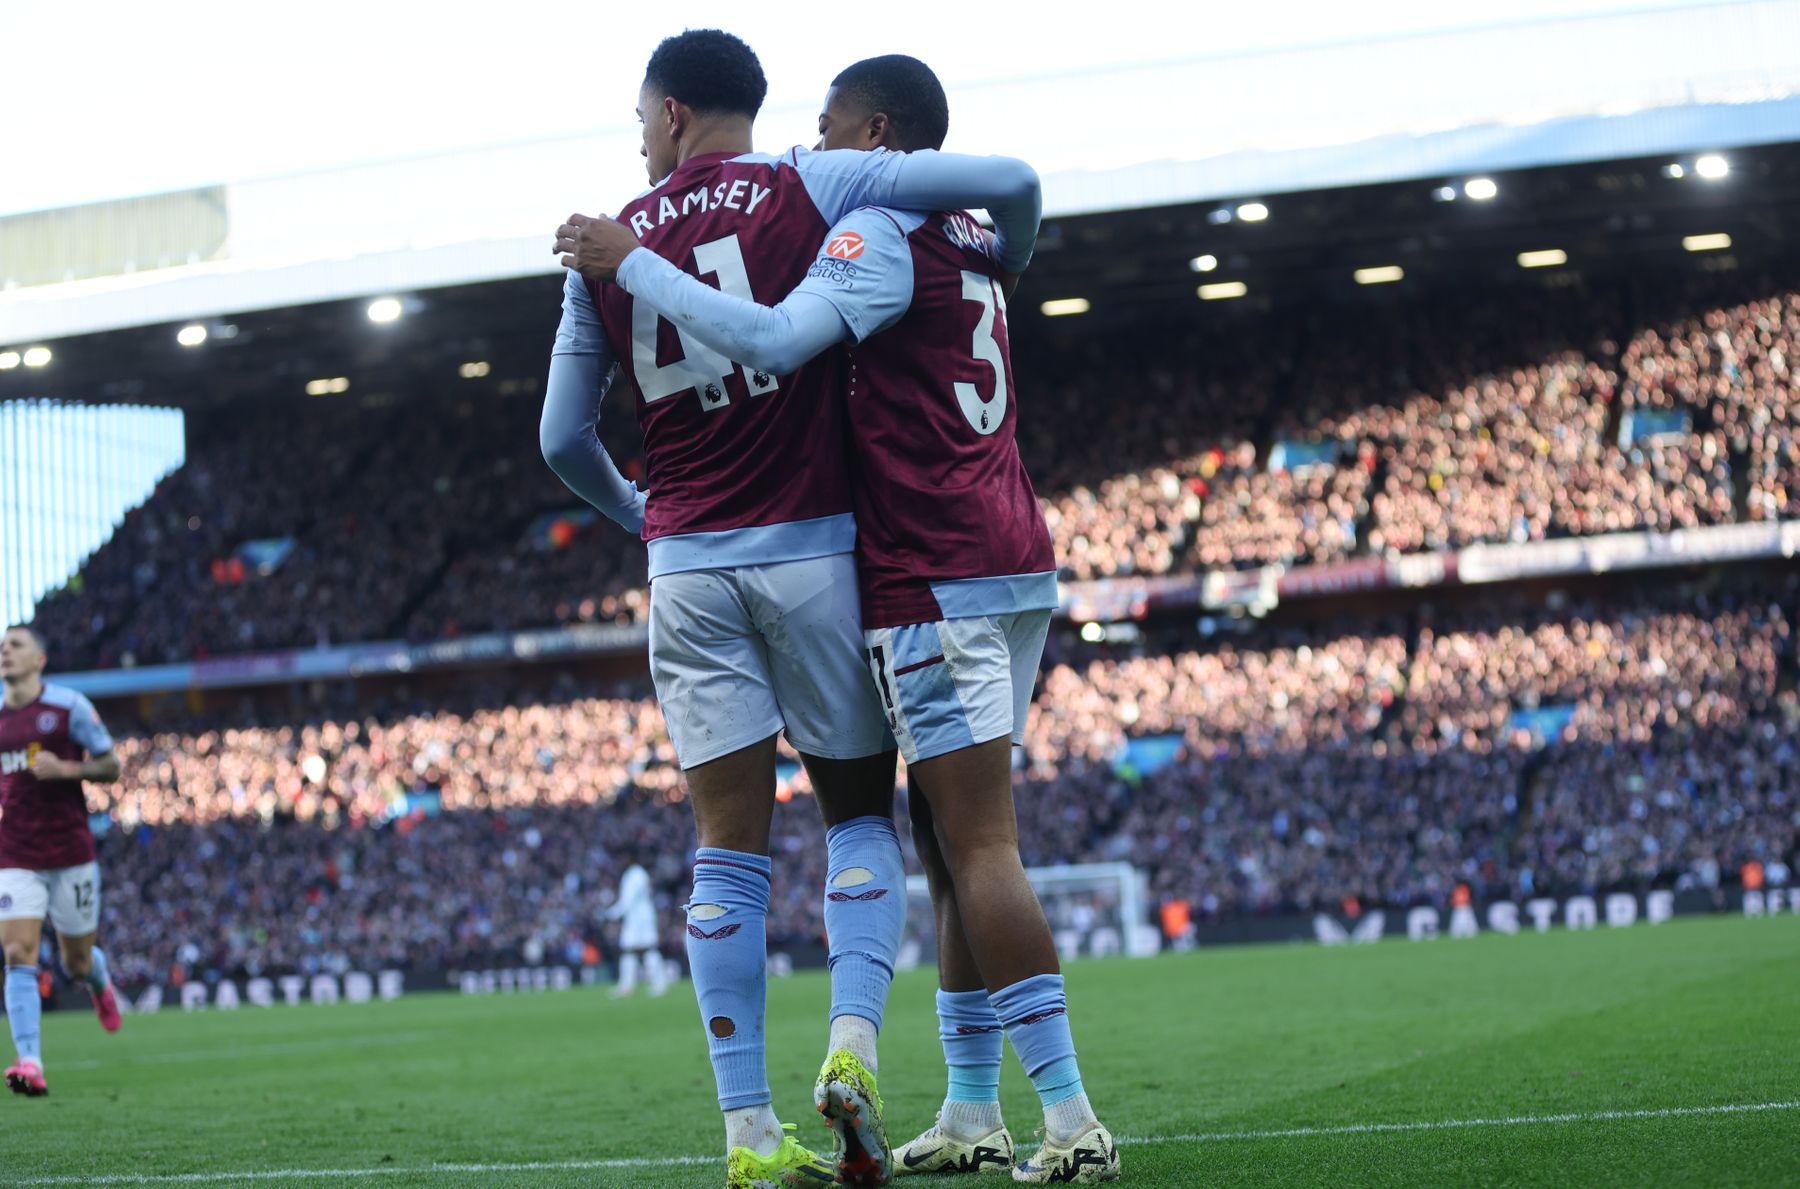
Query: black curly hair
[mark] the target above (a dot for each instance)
(906, 91)
(711, 71)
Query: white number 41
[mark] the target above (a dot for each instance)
(701, 369)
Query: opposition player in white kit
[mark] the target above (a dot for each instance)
(51, 740)
(635, 910)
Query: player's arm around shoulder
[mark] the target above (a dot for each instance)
(864, 269)
(594, 246)
(840, 180)
(775, 339)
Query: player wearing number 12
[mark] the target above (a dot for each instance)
(754, 618)
(958, 579)
(47, 866)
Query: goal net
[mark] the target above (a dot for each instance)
(1096, 910)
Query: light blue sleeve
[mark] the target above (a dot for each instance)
(775, 339)
(872, 289)
(581, 372)
(579, 332)
(841, 180)
(86, 728)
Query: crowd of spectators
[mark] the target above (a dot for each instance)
(1729, 368)
(1285, 443)
(1380, 763)
(458, 890)
(1677, 759)
(408, 519)
(1512, 749)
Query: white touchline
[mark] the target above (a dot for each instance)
(627, 1162)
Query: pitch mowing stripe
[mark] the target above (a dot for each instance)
(625, 1162)
(1667, 1112)
(245, 1052)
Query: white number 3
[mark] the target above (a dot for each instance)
(985, 416)
(700, 369)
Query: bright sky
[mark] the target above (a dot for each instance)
(110, 98)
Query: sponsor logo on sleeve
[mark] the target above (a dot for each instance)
(837, 272)
(846, 245)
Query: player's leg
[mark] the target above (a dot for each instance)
(865, 893)
(961, 689)
(727, 930)
(711, 675)
(628, 974)
(727, 945)
(24, 902)
(970, 795)
(969, 1134)
(657, 968)
(75, 911)
(809, 616)
(865, 922)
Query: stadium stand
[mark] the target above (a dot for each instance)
(1439, 428)
(1314, 766)
(1632, 739)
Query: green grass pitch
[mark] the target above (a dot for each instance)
(1194, 1061)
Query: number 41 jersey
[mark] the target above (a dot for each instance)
(948, 525)
(745, 468)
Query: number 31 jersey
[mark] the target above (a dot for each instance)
(745, 468)
(948, 524)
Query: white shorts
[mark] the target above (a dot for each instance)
(957, 682)
(638, 932)
(68, 896)
(739, 654)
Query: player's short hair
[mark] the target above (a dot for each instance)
(29, 631)
(711, 71)
(906, 91)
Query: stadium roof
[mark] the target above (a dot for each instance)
(1645, 217)
(1586, 88)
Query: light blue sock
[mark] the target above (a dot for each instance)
(727, 946)
(1036, 1014)
(98, 975)
(23, 1010)
(865, 914)
(974, 1043)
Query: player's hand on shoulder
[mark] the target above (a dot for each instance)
(594, 246)
(50, 767)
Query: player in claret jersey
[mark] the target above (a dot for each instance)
(50, 741)
(754, 617)
(958, 581)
